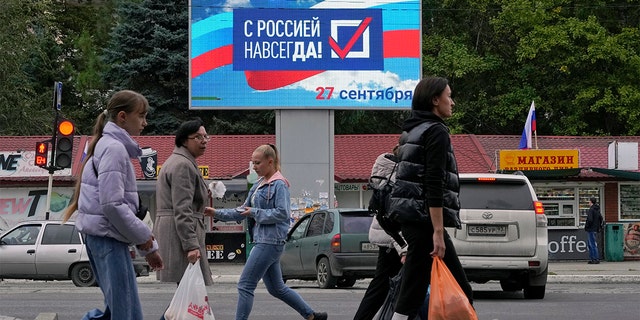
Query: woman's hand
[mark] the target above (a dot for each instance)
(209, 212)
(438, 244)
(247, 211)
(193, 255)
(155, 261)
(147, 245)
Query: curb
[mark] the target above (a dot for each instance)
(600, 278)
(47, 316)
(594, 279)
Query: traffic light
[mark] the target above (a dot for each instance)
(64, 143)
(42, 153)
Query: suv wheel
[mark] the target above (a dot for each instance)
(323, 271)
(82, 275)
(534, 292)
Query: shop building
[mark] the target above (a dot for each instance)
(600, 170)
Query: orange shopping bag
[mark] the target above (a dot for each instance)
(447, 301)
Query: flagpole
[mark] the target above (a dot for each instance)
(535, 131)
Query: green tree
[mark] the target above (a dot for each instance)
(148, 52)
(577, 59)
(85, 26)
(24, 24)
(50, 41)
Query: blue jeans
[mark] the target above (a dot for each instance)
(111, 263)
(264, 263)
(592, 245)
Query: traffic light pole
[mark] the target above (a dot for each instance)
(57, 97)
(61, 145)
(49, 190)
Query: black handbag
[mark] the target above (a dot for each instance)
(389, 304)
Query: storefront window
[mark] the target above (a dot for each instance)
(629, 201)
(563, 208)
(583, 202)
(558, 203)
(555, 193)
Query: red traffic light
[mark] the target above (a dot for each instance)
(42, 152)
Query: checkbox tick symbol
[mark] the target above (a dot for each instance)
(342, 52)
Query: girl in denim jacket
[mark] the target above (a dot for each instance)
(268, 203)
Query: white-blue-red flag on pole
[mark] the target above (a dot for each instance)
(529, 128)
(85, 151)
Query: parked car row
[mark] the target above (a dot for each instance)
(503, 238)
(51, 250)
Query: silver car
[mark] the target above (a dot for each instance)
(504, 233)
(50, 250)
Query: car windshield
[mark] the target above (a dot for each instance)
(495, 195)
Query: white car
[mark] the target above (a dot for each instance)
(51, 250)
(504, 233)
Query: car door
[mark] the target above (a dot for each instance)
(18, 251)
(59, 248)
(290, 261)
(311, 244)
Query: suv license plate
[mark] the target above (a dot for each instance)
(367, 246)
(487, 230)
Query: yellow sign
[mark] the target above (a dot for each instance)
(549, 159)
(204, 171)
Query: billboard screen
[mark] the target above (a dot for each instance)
(280, 54)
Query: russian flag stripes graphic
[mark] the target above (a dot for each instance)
(392, 31)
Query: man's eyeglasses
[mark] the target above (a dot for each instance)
(200, 138)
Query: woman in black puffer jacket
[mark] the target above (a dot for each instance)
(425, 198)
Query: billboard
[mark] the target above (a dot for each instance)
(280, 54)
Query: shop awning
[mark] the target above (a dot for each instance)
(629, 175)
(549, 174)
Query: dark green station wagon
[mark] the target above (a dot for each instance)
(330, 246)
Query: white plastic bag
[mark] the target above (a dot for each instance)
(217, 189)
(190, 300)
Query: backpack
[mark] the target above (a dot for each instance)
(381, 187)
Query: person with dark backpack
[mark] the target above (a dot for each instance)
(381, 184)
(391, 253)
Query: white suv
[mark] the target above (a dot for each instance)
(504, 233)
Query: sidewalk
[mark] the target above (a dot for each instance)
(559, 272)
(605, 272)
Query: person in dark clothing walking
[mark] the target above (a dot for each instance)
(425, 199)
(391, 255)
(592, 226)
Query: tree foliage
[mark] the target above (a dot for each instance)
(25, 25)
(578, 60)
